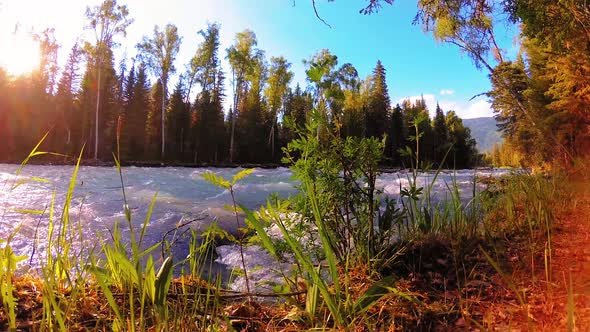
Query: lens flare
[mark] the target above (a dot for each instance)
(20, 55)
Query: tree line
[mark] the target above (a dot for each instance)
(541, 97)
(129, 106)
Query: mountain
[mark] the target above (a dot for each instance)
(485, 132)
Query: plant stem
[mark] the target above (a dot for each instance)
(240, 239)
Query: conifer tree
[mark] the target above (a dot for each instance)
(205, 69)
(178, 119)
(441, 135)
(153, 125)
(298, 106)
(136, 113)
(68, 111)
(397, 136)
(463, 153)
(378, 107)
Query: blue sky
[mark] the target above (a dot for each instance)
(416, 64)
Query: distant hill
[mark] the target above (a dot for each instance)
(485, 132)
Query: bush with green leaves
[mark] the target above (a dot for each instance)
(340, 173)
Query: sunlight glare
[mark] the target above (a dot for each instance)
(20, 55)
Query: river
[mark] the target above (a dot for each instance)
(182, 195)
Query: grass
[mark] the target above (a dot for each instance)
(427, 263)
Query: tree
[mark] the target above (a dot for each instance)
(45, 75)
(5, 110)
(397, 136)
(251, 114)
(205, 69)
(43, 84)
(240, 56)
(298, 107)
(346, 101)
(205, 64)
(127, 88)
(441, 134)
(276, 93)
(160, 52)
(153, 126)
(463, 152)
(376, 115)
(107, 21)
(107, 94)
(178, 120)
(319, 71)
(137, 113)
(355, 101)
(68, 113)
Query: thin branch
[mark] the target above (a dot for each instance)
(178, 226)
(478, 95)
(315, 9)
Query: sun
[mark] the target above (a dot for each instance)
(20, 54)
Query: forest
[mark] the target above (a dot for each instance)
(92, 98)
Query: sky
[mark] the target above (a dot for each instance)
(416, 64)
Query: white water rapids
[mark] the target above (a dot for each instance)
(181, 195)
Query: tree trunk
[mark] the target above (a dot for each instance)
(96, 114)
(163, 120)
(233, 120)
(231, 140)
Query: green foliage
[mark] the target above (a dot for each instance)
(222, 183)
(348, 209)
(8, 261)
(159, 53)
(378, 105)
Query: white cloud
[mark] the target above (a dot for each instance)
(468, 109)
(465, 109)
(447, 92)
(478, 109)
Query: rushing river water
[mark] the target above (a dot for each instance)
(182, 195)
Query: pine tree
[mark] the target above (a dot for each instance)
(463, 153)
(297, 110)
(378, 107)
(208, 127)
(178, 118)
(68, 129)
(441, 135)
(154, 121)
(127, 85)
(397, 137)
(136, 113)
